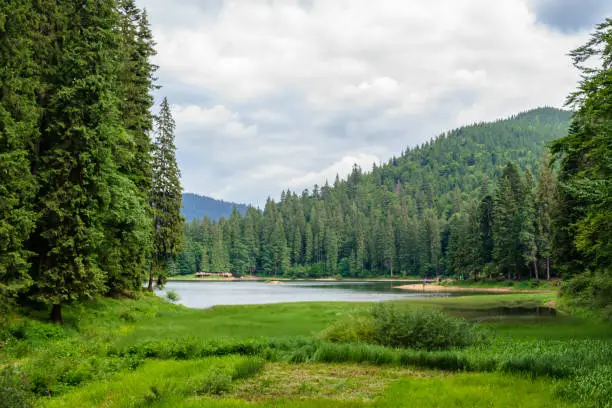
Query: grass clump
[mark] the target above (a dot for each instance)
(247, 368)
(423, 329)
(216, 383)
(590, 387)
(172, 295)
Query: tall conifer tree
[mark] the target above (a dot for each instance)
(19, 113)
(81, 130)
(166, 195)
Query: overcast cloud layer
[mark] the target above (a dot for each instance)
(270, 95)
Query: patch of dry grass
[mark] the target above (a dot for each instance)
(330, 381)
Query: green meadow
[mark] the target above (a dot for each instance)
(147, 352)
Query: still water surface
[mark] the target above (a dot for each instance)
(208, 294)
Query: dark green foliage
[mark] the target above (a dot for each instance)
(172, 295)
(80, 130)
(19, 82)
(427, 329)
(388, 325)
(128, 223)
(165, 197)
(428, 212)
(583, 218)
(15, 389)
(75, 99)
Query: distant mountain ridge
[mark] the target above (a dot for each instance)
(197, 206)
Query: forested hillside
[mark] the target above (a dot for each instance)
(410, 216)
(197, 206)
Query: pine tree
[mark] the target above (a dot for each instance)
(19, 113)
(529, 224)
(331, 251)
(545, 203)
(128, 224)
(388, 248)
(508, 221)
(80, 131)
(166, 195)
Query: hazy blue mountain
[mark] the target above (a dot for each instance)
(197, 206)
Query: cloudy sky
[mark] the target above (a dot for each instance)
(282, 94)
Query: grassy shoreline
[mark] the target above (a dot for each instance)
(148, 352)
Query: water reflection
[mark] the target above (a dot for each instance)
(503, 312)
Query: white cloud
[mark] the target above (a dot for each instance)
(217, 120)
(300, 90)
(342, 167)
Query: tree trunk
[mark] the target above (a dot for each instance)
(150, 287)
(548, 268)
(56, 313)
(535, 268)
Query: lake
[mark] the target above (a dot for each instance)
(203, 295)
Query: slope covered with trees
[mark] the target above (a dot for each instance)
(450, 206)
(198, 206)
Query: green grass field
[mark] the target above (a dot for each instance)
(150, 353)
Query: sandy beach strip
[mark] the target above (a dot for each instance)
(440, 288)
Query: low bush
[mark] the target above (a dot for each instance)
(425, 329)
(15, 389)
(591, 290)
(388, 325)
(172, 295)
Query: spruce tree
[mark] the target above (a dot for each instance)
(166, 195)
(128, 224)
(545, 204)
(80, 132)
(19, 113)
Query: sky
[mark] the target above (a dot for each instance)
(270, 95)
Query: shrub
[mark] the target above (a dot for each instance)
(14, 389)
(591, 290)
(427, 329)
(354, 329)
(387, 325)
(36, 331)
(172, 295)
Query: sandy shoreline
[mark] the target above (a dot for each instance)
(263, 279)
(440, 288)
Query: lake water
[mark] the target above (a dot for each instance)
(207, 294)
